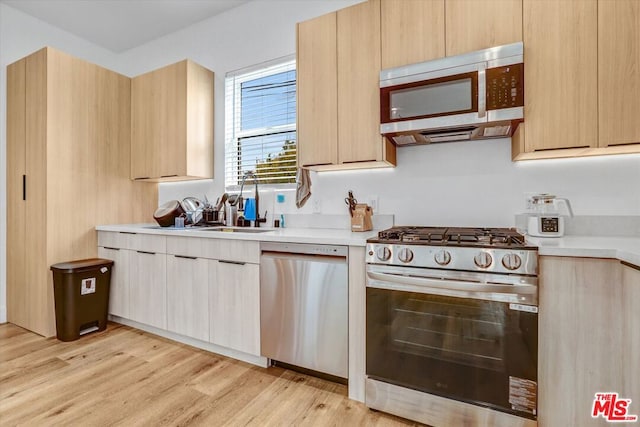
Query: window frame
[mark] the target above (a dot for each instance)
(233, 118)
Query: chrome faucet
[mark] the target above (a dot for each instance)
(251, 174)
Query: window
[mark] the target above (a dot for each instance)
(260, 123)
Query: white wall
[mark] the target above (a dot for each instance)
(467, 183)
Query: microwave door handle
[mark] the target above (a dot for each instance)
(482, 90)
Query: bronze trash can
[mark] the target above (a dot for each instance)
(81, 294)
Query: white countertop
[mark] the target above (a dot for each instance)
(324, 236)
(623, 248)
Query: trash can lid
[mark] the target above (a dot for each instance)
(81, 265)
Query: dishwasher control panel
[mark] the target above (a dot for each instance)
(305, 249)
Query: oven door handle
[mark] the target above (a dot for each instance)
(524, 293)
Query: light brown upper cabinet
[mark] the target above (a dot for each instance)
(412, 31)
(317, 91)
(618, 72)
(561, 74)
(582, 74)
(359, 84)
(68, 136)
(172, 123)
(480, 24)
(353, 95)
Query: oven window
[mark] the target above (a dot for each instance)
(461, 348)
(451, 329)
(437, 98)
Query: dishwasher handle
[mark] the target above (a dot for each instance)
(290, 256)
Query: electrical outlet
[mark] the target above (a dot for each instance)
(317, 206)
(373, 202)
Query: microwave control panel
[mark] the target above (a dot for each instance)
(505, 87)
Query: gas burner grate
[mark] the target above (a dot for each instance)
(454, 236)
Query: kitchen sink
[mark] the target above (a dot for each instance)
(212, 228)
(236, 229)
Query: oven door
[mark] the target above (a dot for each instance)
(448, 337)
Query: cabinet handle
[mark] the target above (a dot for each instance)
(185, 257)
(113, 249)
(360, 161)
(142, 177)
(167, 176)
(316, 164)
(232, 262)
(24, 187)
(126, 232)
(145, 252)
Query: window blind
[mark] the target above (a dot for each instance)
(260, 123)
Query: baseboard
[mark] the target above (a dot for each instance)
(263, 362)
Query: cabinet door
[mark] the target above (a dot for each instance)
(158, 122)
(234, 305)
(317, 92)
(188, 296)
(359, 83)
(42, 248)
(412, 31)
(618, 72)
(631, 335)
(473, 25)
(119, 287)
(581, 349)
(17, 290)
(561, 74)
(148, 288)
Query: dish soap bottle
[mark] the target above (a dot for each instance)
(278, 211)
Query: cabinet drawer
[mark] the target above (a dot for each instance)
(186, 246)
(114, 239)
(220, 249)
(148, 243)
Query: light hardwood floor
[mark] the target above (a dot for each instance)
(126, 377)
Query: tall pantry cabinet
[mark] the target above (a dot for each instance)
(68, 163)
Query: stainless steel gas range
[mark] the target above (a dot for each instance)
(452, 325)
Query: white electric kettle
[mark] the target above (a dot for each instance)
(546, 218)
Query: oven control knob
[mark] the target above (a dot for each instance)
(483, 259)
(405, 255)
(511, 261)
(442, 257)
(383, 253)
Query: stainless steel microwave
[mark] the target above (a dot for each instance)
(476, 95)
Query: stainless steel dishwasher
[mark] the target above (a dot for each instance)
(304, 306)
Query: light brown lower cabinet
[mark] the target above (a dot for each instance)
(631, 335)
(207, 289)
(148, 288)
(119, 286)
(589, 337)
(188, 296)
(234, 305)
